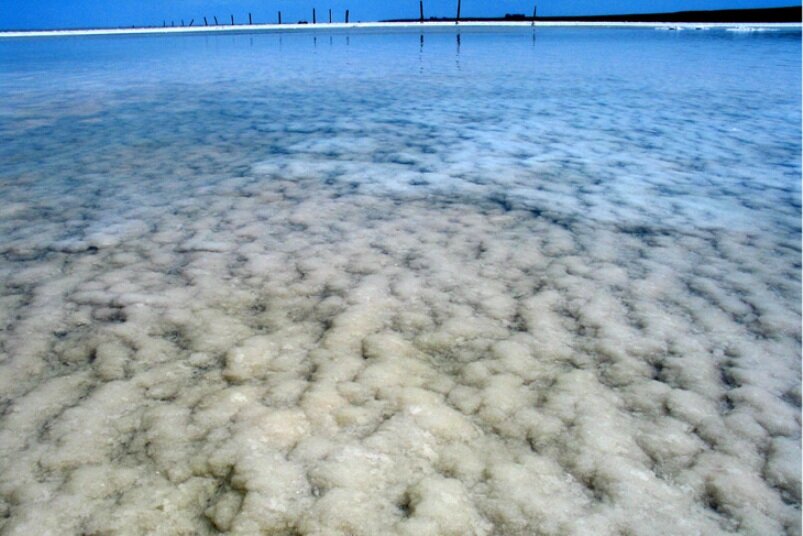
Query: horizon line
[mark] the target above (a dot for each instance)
(508, 17)
(276, 28)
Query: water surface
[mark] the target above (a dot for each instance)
(381, 282)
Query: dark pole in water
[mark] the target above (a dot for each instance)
(172, 24)
(280, 17)
(314, 19)
(249, 19)
(535, 12)
(330, 16)
(164, 24)
(182, 23)
(347, 16)
(191, 21)
(232, 20)
(457, 20)
(421, 10)
(216, 22)
(206, 23)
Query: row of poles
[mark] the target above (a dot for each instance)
(251, 19)
(457, 17)
(346, 18)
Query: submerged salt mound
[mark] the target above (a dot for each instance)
(353, 365)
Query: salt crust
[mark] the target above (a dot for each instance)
(370, 383)
(417, 344)
(391, 26)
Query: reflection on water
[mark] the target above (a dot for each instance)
(453, 283)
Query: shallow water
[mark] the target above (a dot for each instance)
(378, 283)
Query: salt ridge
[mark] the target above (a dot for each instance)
(240, 28)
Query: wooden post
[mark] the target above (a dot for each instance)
(314, 19)
(206, 23)
(280, 17)
(164, 24)
(191, 21)
(232, 20)
(347, 16)
(249, 19)
(330, 16)
(421, 10)
(535, 13)
(216, 22)
(457, 19)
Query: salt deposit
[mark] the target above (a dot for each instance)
(506, 308)
(388, 26)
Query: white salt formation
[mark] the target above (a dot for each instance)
(377, 322)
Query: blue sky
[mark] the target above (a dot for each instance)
(21, 14)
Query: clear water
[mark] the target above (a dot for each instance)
(383, 283)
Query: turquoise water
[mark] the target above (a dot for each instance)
(500, 281)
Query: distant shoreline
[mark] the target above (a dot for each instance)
(778, 15)
(464, 23)
(726, 16)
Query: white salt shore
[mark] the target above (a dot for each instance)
(381, 26)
